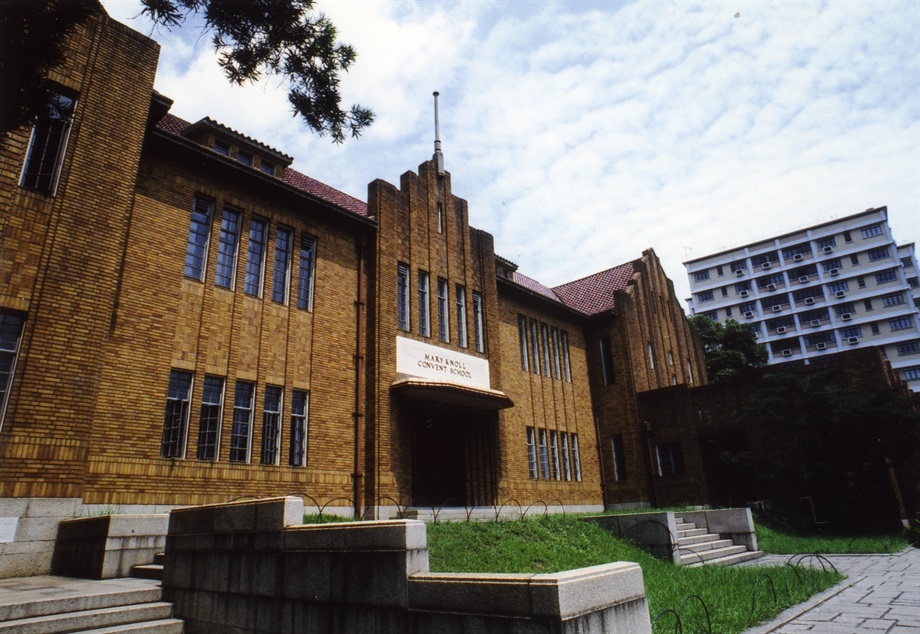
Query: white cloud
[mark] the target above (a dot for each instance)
(582, 133)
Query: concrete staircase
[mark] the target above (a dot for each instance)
(696, 547)
(150, 571)
(61, 605)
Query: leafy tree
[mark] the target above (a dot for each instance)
(729, 348)
(254, 38)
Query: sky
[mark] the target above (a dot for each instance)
(583, 132)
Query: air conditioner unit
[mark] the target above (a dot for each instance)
(833, 272)
(781, 330)
(749, 315)
(828, 249)
(821, 346)
(765, 266)
(853, 340)
(744, 293)
(798, 257)
(739, 272)
(814, 323)
(846, 316)
(771, 287)
(787, 353)
(809, 301)
(803, 279)
(776, 308)
(840, 294)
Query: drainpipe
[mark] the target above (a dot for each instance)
(360, 311)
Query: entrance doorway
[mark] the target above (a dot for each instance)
(453, 457)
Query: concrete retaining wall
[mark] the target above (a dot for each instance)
(251, 567)
(106, 547)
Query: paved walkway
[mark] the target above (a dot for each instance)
(881, 595)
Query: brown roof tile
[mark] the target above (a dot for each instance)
(595, 294)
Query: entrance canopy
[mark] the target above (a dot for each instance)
(451, 394)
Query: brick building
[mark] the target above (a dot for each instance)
(185, 319)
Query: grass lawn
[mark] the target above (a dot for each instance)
(773, 540)
(555, 543)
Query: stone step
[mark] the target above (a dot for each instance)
(147, 571)
(41, 596)
(78, 621)
(707, 545)
(691, 532)
(730, 560)
(697, 539)
(709, 555)
(163, 626)
(159, 559)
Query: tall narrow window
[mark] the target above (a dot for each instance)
(212, 399)
(443, 315)
(300, 411)
(619, 461)
(226, 249)
(554, 453)
(10, 333)
(196, 251)
(424, 304)
(651, 355)
(282, 272)
(566, 461)
(689, 372)
(402, 297)
(255, 257)
(534, 347)
(46, 147)
(522, 341)
(478, 331)
(440, 210)
(557, 368)
(175, 421)
(606, 361)
(576, 457)
(531, 453)
(241, 432)
(544, 339)
(461, 316)
(305, 274)
(565, 356)
(544, 456)
(670, 459)
(271, 425)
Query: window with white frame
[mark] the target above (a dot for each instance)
(531, 453)
(460, 293)
(619, 459)
(175, 421)
(912, 374)
(227, 246)
(424, 303)
(47, 144)
(701, 276)
(522, 342)
(306, 273)
(300, 411)
(565, 355)
(544, 455)
(837, 287)
(826, 242)
(901, 323)
(282, 271)
(705, 296)
(544, 339)
(843, 309)
(212, 400)
(893, 299)
(534, 347)
(871, 231)
(255, 257)
(241, 430)
(566, 460)
(908, 347)
(670, 459)
(554, 453)
(478, 327)
(853, 331)
(607, 371)
(196, 251)
(557, 365)
(443, 313)
(878, 254)
(402, 297)
(829, 265)
(271, 424)
(651, 355)
(576, 457)
(10, 336)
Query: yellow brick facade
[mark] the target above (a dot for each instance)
(96, 271)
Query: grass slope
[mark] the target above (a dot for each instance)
(555, 543)
(775, 540)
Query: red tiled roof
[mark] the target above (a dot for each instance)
(595, 294)
(174, 125)
(533, 285)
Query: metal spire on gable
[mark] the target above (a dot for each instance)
(438, 157)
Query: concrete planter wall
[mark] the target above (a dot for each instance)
(106, 547)
(250, 567)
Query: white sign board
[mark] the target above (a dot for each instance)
(415, 359)
(8, 529)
